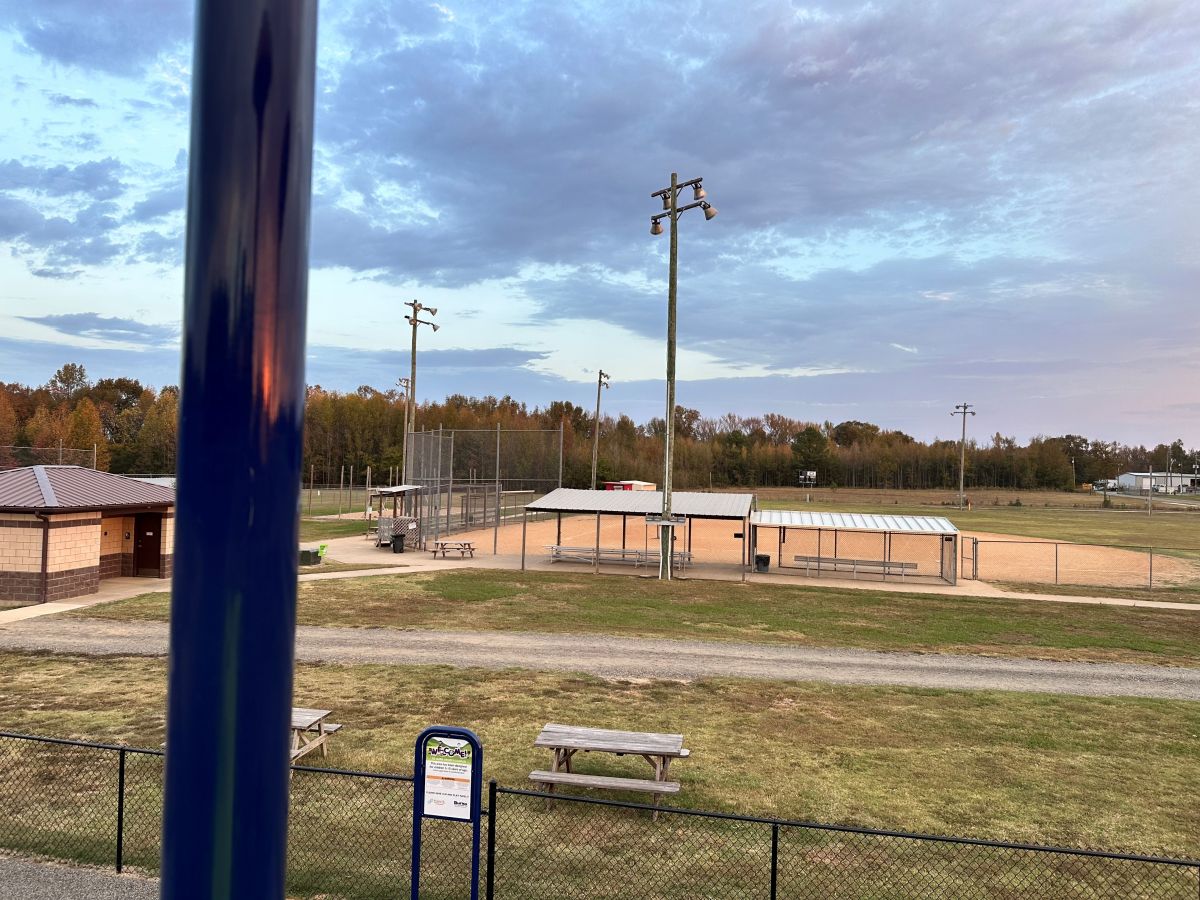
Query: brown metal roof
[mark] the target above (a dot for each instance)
(74, 487)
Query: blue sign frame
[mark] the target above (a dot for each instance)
(476, 811)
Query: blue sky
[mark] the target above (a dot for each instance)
(920, 203)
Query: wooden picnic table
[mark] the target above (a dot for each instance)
(565, 741)
(310, 731)
(463, 548)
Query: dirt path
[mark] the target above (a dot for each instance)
(610, 657)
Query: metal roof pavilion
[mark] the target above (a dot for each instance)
(788, 518)
(641, 503)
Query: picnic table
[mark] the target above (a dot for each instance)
(444, 547)
(564, 741)
(310, 731)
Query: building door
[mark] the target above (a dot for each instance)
(147, 545)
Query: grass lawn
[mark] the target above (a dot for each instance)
(1175, 529)
(323, 529)
(1076, 771)
(481, 599)
(332, 565)
(1170, 593)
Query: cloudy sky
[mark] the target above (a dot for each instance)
(920, 203)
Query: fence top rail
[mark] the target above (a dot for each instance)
(352, 773)
(1047, 542)
(853, 829)
(67, 742)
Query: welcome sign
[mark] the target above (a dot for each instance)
(449, 782)
(447, 779)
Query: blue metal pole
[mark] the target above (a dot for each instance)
(240, 423)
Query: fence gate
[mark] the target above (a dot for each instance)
(970, 557)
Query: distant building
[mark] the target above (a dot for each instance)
(630, 486)
(65, 528)
(1163, 482)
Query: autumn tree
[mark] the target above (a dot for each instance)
(69, 382)
(85, 430)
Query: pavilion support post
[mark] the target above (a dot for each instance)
(524, 523)
(596, 562)
(624, 519)
(241, 413)
(745, 546)
(690, 522)
(558, 530)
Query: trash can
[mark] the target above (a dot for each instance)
(309, 558)
(398, 542)
(762, 562)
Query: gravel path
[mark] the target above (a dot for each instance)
(612, 657)
(29, 880)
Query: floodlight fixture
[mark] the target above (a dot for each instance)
(656, 227)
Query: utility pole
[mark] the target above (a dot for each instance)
(964, 410)
(405, 385)
(601, 382)
(672, 210)
(414, 320)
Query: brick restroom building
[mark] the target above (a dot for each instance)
(64, 529)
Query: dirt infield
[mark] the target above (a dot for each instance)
(1006, 557)
(1002, 557)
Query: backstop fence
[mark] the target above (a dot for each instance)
(349, 836)
(471, 479)
(1069, 563)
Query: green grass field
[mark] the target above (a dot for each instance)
(1078, 771)
(551, 602)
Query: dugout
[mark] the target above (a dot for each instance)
(735, 509)
(856, 545)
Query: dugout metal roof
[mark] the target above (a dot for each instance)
(641, 503)
(790, 518)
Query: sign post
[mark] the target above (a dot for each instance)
(447, 778)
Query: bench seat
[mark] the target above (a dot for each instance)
(606, 782)
(330, 728)
(841, 564)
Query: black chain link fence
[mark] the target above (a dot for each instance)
(350, 836)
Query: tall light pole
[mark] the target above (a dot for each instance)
(672, 211)
(405, 384)
(964, 410)
(414, 320)
(601, 382)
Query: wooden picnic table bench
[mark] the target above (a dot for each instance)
(310, 731)
(463, 548)
(566, 740)
(867, 566)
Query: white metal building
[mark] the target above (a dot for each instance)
(1172, 483)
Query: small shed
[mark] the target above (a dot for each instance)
(64, 529)
(632, 485)
(832, 544)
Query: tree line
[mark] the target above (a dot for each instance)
(132, 428)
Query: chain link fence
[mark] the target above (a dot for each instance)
(1070, 563)
(350, 836)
